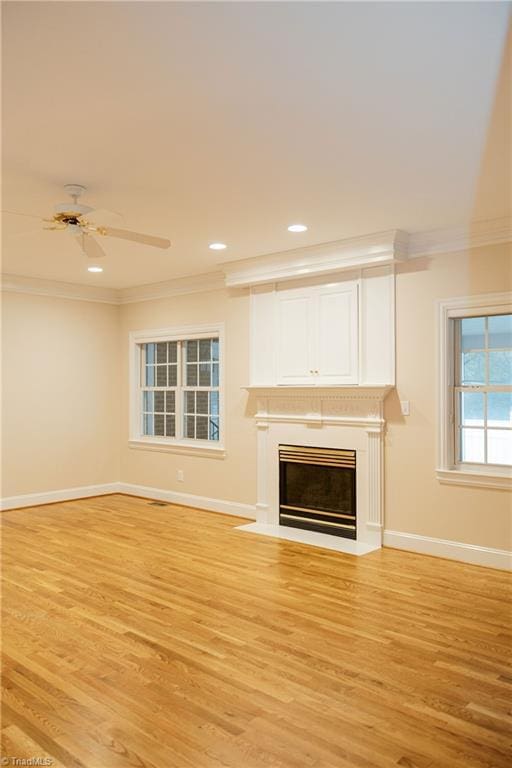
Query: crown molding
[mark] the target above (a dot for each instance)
(211, 281)
(357, 252)
(377, 249)
(74, 291)
(479, 234)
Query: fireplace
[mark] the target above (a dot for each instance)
(317, 489)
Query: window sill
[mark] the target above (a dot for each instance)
(487, 479)
(181, 447)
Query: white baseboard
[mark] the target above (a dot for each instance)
(454, 550)
(189, 500)
(65, 494)
(426, 545)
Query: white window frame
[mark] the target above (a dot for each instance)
(448, 470)
(195, 447)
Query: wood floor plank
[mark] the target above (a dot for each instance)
(162, 637)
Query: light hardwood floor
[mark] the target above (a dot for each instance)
(161, 637)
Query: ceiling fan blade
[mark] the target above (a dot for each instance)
(90, 246)
(125, 234)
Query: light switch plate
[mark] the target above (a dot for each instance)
(404, 407)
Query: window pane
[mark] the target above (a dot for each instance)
(472, 333)
(500, 331)
(148, 426)
(191, 350)
(190, 402)
(191, 375)
(159, 401)
(499, 446)
(150, 353)
(204, 374)
(161, 352)
(214, 403)
(170, 426)
(202, 402)
(159, 425)
(500, 367)
(170, 402)
(214, 428)
(472, 409)
(215, 349)
(147, 401)
(473, 368)
(215, 375)
(202, 427)
(205, 349)
(173, 352)
(472, 445)
(190, 426)
(149, 380)
(161, 375)
(499, 409)
(173, 375)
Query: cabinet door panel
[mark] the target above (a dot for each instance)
(337, 335)
(296, 325)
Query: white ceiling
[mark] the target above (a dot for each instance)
(229, 121)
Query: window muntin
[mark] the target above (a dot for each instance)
(180, 389)
(483, 390)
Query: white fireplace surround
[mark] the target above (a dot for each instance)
(326, 417)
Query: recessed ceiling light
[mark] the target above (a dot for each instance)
(217, 246)
(297, 228)
(95, 269)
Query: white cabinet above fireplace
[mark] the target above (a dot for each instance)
(317, 335)
(336, 331)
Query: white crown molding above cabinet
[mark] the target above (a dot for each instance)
(322, 259)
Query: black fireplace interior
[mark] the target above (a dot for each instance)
(317, 489)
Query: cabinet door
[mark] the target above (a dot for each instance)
(296, 330)
(337, 347)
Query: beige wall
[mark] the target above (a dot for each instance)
(233, 478)
(60, 392)
(415, 500)
(61, 420)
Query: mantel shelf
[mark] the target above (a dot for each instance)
(375, 391)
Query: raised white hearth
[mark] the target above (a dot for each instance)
(329, 417)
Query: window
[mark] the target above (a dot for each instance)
(475, 415)
(483, 390)
(176, 390)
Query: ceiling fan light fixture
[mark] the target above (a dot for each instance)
(94, 269)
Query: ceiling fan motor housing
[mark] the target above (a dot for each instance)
(70, 210)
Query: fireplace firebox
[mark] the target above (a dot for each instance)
(317, 489)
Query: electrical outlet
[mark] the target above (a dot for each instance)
(180, 475)
(404, 407)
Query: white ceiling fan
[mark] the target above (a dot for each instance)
(71, 216)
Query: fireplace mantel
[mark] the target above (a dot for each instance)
(375, 391)
(355, 406)
(348, 417)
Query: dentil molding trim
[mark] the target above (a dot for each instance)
(382, 248)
